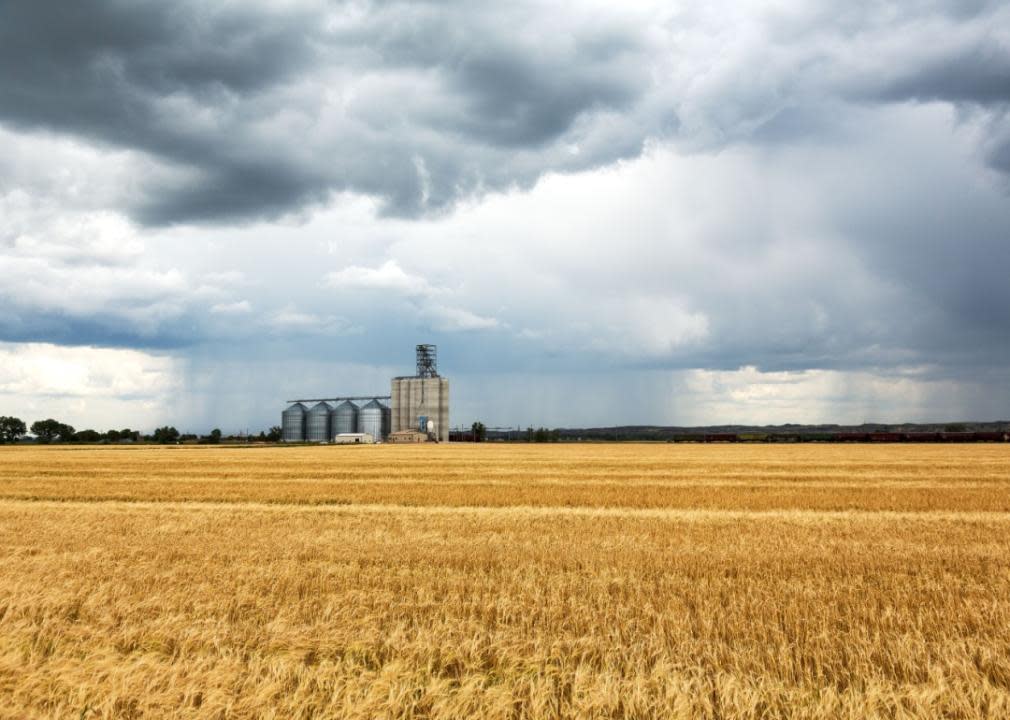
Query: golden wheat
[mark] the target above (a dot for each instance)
(505, 582)
(826, 477)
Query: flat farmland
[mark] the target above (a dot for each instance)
(454, 581)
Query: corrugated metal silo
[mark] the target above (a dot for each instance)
(317, 423)
(293, 423)
(370, 419)
(345, 418)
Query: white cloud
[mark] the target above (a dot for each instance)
(240, 307)
(748, 395)
(63, 261)
(31, 229)
(291, 317)
(225, 277)
(37, 168)
(87, 386)
(290, 320)
(389, 277)
(646, 327)
(450, 319)
(59, 371)
(437, 305)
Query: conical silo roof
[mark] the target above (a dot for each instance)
(370, 419)
(344, 418)
(293, 423)
(317, 423)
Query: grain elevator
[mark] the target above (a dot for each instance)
(421, 402)
(419, 411)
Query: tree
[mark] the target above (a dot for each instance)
(274, 435)
(215, 436)
(48, 430)
(113, 436)
(44, 430)
(12, 429)
(88, 436)
(66, 432)
(479, 432)
(166, 435)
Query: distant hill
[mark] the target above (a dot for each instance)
(675, 432)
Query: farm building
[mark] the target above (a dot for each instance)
(407, 436)
(419, 403)
(353, 439)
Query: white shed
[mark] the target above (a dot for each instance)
(353, 438)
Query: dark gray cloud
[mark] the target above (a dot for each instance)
(133, 75)
(516, 84)
(974, 72)
(259, 111)
(254, 110)
(110, 51)
(98, 70)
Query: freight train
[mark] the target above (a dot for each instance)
(877, 436)
(850, 437)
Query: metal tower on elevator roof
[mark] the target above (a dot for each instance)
(427, 361)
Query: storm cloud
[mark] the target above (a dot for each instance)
(797, 198)
(254, 110)
(257, 110)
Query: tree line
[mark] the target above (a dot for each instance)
(478, 433)
(46, 431)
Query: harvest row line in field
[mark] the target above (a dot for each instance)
(754, 497)
(518, 512)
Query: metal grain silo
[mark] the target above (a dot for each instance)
(370, 419)
(293, 423)
(344, 418)
(317, 423)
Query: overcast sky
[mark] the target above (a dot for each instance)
(612, 213)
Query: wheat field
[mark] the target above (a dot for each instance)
(461, 581)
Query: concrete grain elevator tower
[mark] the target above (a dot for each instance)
(421, 402)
